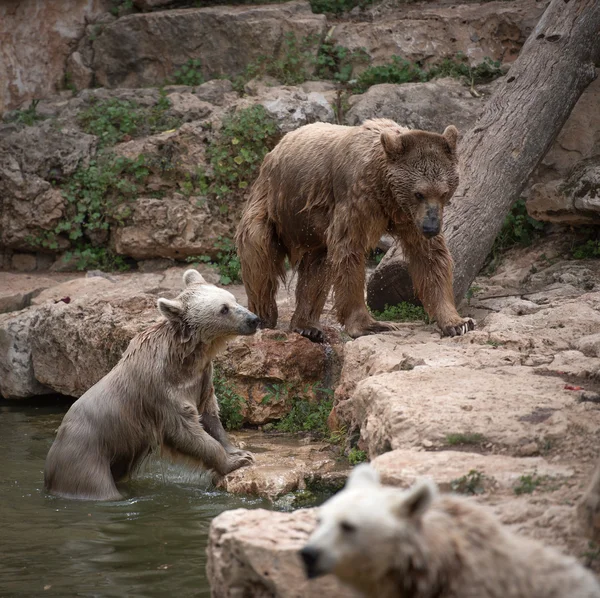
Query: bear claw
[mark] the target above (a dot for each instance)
(313, 334)
(459, 330)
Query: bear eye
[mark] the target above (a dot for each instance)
(419, 196)
(347, 527)
(224, 310)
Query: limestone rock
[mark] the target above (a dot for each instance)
(146, 49)
(428, 106)
(17, 379)
(27, 72)
(18, 291)
(255, 553)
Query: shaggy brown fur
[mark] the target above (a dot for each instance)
(159, 395)
(324, 197)
(390, 543)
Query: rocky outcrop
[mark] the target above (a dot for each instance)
(146, 49)
(26, 72)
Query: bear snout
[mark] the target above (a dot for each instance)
(310, 556)
(251, 323)
(431, 229)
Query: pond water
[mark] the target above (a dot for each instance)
(152, 544)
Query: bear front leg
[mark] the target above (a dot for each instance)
(185, 434)
(212, 424)
(430, 266)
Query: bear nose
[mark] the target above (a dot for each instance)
(431, 230)
(253, 321)
(310, 556)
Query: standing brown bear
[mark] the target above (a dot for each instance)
(324, 197)
(159, 396)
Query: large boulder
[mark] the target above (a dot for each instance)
(28, 25)
(146, 49)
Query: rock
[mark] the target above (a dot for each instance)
(80, 76)
(572, 363)
(17, 291)
(428, 106)
(272, 367)
(590, 345)
(282, 466)
(436, 402)
(74, 345)
(430, 32)
(216, 91)
(55, 26)
(574, 201)
(404, 467)
(24, 262)
(29, 159)
(146, 49)
(255, 553)
(17, 379)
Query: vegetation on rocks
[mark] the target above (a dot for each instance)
(230, 402)
(403, 312)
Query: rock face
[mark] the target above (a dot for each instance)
(56, 27)
(146, 49)
(255, 553)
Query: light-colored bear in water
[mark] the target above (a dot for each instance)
(159, 396)
(387, 542)
(324, 197)
(588, 508)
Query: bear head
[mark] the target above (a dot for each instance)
(367, 528)
(206, 312)
(422, 174)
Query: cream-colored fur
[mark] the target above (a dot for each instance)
(390, 543)
(159, 396)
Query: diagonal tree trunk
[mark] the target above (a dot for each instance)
(516, 129)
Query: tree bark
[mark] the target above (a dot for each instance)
(516, 129)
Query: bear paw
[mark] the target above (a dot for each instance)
(312, 333)
(241, 459)
(459, 329)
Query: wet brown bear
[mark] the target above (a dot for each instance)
(159, 395)
(324, 197)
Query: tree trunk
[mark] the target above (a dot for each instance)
(516, 129)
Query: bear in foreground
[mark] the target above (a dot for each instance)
(324, 197)
(159, 396)
(387, 542)
(588, 509)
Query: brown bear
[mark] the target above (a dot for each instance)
(159, 396)
(391, 543)
(324, 197)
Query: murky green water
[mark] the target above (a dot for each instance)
(152, 544)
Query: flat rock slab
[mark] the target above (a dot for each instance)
(509, 407)
(255, 553)
(282, 465)
(403, 468)
(18, 290)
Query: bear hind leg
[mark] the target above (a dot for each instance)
(314, 282)
(262, 263)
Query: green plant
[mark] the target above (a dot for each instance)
(335, 6)
(29, 116)
(460, 438)
(307, 416)
(473, 290)
(588, 250)
(189, 73)
(68, 82)
(120, 6)
(458, 67)
(397, 71)
(528, 483)
(356, 456)
(519, 228)
(87, 257)
(238, 151)
(230, 402)
(227, 262)
(337, 62)
(403, 312)
(471, 483)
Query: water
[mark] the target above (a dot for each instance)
(152, 544)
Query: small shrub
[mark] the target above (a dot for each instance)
(238, 151)
(29, 116)
(356, 456)
(403, 312)
(528, 483)
(189, 74)
(230, 402)
(588, 250)
(471, 483)
(306, 416)
(87, 257)
(459, 67)
(335, 7)
(120, 6)
(337, 62)
(397, 71)
(460, 439)
(227, 262)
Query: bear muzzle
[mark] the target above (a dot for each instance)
(310, 557)
(251, 324)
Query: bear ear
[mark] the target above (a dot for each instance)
(414, 503)
(192, 277)
(172, 310)
(363, 475)
(450, 134)
(395, 144)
